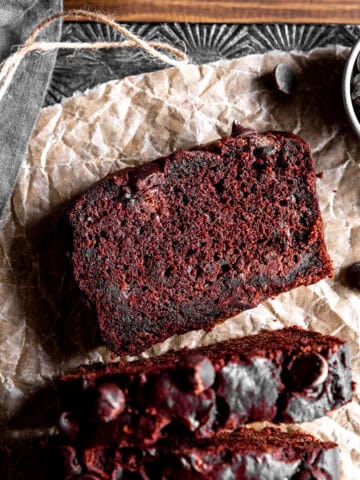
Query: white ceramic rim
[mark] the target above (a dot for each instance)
(346, 88)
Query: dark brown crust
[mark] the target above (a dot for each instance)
(189, 240)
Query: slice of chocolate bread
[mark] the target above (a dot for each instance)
(189, 240)
(288, 375)
(241, 455)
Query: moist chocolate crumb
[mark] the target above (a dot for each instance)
(187, 241)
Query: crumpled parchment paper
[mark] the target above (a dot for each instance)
(43, 328)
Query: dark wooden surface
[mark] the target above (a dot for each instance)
(226, 11)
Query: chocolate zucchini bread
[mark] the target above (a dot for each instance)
(241, 455)
(189, 240)
(288, 375)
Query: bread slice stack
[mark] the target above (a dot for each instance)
(183, 243)
(178, 409)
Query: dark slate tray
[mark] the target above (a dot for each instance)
(82, 69)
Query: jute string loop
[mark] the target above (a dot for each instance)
(11, 64)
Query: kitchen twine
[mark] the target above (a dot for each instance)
(11, 64)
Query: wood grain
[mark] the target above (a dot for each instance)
(223, 11)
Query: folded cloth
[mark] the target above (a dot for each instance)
(22, 101)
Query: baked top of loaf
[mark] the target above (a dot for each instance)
(191, 239)
(288, 375)
(244, 454)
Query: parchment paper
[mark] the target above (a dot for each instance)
(43, 327)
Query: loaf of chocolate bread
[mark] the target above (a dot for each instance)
(288, 375)
(189, 240)
(242, 455)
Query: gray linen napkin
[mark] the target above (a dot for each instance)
(21, 104)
